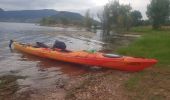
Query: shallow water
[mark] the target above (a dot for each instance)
(39, 72)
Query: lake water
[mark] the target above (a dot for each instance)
(39, 72)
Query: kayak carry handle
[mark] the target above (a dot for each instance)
(10, 44)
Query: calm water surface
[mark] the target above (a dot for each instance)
(39, 72)
(42, 72)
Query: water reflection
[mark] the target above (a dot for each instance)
(112, 41)
(67, 68)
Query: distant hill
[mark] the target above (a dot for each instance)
(37, 15)
(25, 15)
(44, 17)
(68, 15)
(1, 10)
(65, 18)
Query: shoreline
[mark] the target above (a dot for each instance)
(64, 90)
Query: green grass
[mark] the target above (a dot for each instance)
(152, 44)
(150, 84)
(141, 29)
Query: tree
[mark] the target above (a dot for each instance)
(107, 23)
(124, 14)
(88, 20)
(64, 21)
(136, 18)
(47, 21)
(158, 12)
(115, 17)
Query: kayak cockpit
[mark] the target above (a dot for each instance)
(112, 56)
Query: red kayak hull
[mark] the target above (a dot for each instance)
(124, 63)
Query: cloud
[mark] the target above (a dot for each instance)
(68, 5)
(45, 4)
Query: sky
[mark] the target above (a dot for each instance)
(69, 5)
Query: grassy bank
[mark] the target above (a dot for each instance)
(151, 84)
(152, 44)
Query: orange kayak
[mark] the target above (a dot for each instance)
(112, 61)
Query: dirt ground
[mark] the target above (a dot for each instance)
(98, 85)
(102, 85)
(106, 85)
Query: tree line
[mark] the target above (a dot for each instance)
(63, 21)
(120, 17)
